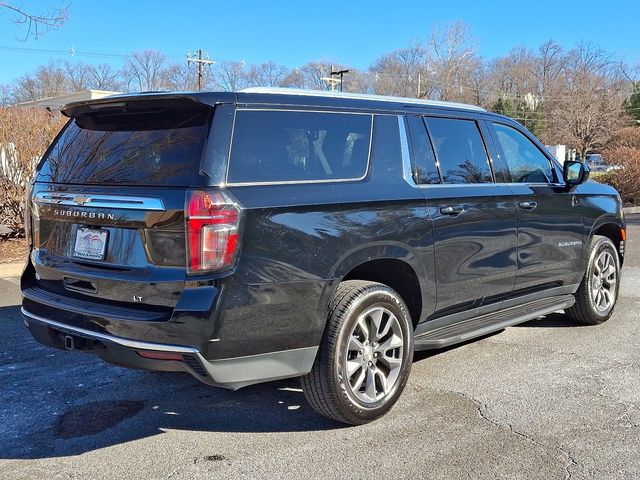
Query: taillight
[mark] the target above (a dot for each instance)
(212, 231)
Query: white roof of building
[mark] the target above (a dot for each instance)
(358, 96)
(56, 103)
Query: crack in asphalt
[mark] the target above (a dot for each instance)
(482, 410)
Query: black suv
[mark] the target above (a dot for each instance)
(265, 234)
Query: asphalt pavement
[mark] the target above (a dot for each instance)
(548, 399)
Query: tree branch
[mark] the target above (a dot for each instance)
(39, 24)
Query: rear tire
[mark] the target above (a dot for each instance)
(365, 356)
(596, 297)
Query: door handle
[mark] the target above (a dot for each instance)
(528, 205)
(451, 211)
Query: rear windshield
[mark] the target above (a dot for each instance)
(129, 146)
(286, 146)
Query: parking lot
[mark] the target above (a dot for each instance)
(546, 399)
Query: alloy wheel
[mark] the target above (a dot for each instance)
(374, 354)
(604, 282)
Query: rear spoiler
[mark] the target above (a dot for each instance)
(75, 109)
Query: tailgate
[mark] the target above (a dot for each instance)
(126, 247)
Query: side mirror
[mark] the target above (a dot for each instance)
(574, 173)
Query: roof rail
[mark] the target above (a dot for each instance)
(357, 96)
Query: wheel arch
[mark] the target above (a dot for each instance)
(612, 228)
(392, 265)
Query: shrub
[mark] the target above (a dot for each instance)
(627, 179)
(25, 134)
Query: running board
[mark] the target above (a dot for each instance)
(439, 336)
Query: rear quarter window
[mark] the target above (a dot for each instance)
(271, 146)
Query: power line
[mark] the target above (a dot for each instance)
(72, 52)
(206, 61)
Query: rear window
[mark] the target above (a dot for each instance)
(129, 146)
(285, 146)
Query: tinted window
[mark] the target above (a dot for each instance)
(386, 151)
(281, 146)
(461, 154)
(424, 160)
(137, 147)
(526, 163)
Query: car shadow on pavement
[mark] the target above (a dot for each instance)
(57, 403)
(554, 320)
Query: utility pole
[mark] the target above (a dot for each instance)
(341, 73)
(201, 63)
(419, 84)
(332, 81)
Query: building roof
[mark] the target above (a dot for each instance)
(56, 103)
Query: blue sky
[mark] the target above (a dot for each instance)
(294, 32)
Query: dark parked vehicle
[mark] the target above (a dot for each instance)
(265, 234)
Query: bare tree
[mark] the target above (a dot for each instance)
(397, 73)
(549, 66)
(357, 81)
(143, 71)
(311, 75)
(38, 24)
(514, 73)
(180, 76)
(517, 88)
(78, 75)
(479, 85)
(104, 77)
(452, 57)
(230, 76)
(268, 74)
(47, 81)
(587, 110)
(6, 96)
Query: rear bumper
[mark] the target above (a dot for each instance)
(232, 373)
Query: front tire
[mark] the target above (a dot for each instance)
(365, 357)
(597, 295)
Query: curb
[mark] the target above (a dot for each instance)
(11, 269)
(631, 210)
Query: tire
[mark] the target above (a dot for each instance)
(364, 360)
(596, 297)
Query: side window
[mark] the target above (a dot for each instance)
(526, 163)
(386, 149)
(424, 160)
(284, 146)
(461, 154)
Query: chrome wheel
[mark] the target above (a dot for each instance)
(604, 282)
(373, 357)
